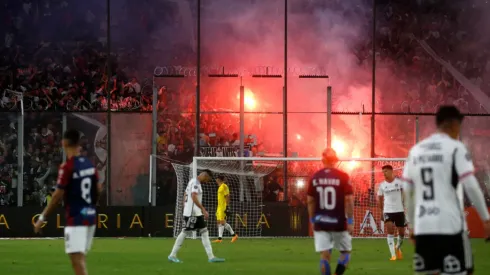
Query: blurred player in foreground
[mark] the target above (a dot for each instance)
(223, 209)
(195, 216)
(331, 211)
(77, 186)
(390, 200)
(435, 169)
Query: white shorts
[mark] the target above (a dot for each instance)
(342, 241)
(78, 239)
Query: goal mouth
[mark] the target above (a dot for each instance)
(248, 179)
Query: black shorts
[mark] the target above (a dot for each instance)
(194, 223)
(397, 218)
(447, 254)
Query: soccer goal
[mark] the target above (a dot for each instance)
(249, 178)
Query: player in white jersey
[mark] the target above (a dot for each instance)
(435, 169)
(390, 200)
(195, 216)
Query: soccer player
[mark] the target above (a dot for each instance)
(77, 185)
(331, 211)
(390, 200)
(435, 169)
(195, 216)
(222, 209)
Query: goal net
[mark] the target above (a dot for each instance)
(250, 180)
(245, 179)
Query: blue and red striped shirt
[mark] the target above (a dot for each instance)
(78, 178)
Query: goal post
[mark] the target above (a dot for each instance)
(249, 178)
(244, 179)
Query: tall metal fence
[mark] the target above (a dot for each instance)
(27, 180)
(389, 65)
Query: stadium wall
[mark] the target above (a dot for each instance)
(276, 220)
(368, 223)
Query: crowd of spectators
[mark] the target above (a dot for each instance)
(53, 60)
(66, 74)
(53, 55)
(67, 69)
(417, 80)
(42, 156)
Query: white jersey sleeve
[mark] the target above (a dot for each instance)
(407, 171)
(464, 167)
(463, 163)
(408, 190)
(380, 190)
(190, 208)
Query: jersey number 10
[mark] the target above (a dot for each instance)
(327, 197)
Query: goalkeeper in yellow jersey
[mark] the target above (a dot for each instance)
(223, 209)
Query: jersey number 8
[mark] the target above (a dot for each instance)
(327, 197)
(86, 188)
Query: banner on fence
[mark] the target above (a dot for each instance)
(111, 222)
(368, 223)
(130, 148)
(223, 151)
(276, 219)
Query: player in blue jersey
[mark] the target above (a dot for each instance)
(331, 210)
(77, 186)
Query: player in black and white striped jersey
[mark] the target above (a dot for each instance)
(437, 170)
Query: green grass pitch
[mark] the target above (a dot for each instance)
(148, 256)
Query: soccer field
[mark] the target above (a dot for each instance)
(147, 256)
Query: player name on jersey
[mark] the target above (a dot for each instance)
(429, 158)
(84, 173)
(326, 181)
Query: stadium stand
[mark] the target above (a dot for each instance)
(400, 53)
(66, 70)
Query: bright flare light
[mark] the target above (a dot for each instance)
(339, 147)
(300, 183)
(353, 164)
(298, 136)
(250, 102)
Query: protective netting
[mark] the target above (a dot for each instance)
(366, 210)
(245, 181)
(366, 175)
(248, 178)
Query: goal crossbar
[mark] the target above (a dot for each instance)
(280, 159)
(295, 159)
